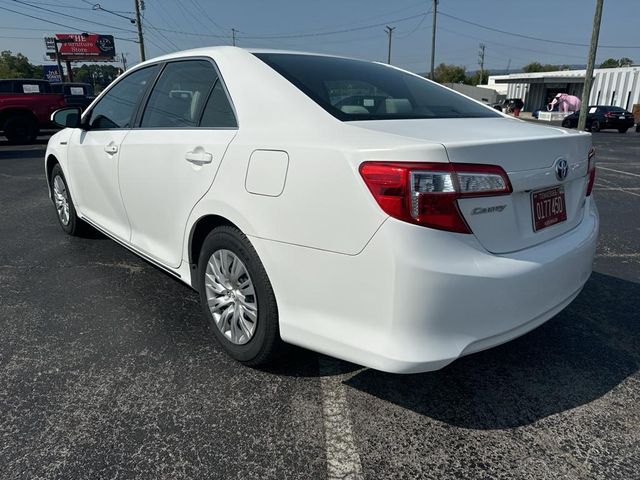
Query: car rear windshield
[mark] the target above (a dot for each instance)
(358, 90)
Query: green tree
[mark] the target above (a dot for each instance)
(539, 67)
(95, 74)
(449, 73)
(616, 62)
(475, 78)
(17, 66)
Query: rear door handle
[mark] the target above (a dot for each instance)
(198, 157)
(111, 149)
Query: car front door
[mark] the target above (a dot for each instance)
(94, 153)
(170, 160)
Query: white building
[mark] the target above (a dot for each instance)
(611, 86)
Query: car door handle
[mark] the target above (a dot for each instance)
(198, 157)
(111, 149)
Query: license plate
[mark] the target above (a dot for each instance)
(548, 207)
(622, 117)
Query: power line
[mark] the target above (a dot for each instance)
(55, 23)
(69, 16)
(334, 32)
(206, 15)
(529, 37)
(160, 34)
(97, 6)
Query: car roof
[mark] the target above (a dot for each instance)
(231, 51)
(23, 80)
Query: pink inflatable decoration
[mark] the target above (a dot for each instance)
(565, 102)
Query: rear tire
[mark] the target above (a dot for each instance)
(237, 299)
(66, 211)
(623, 130)
(595, 126)
(21, 129)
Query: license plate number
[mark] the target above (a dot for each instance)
(548, 207)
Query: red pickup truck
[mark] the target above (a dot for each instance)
(26, 107)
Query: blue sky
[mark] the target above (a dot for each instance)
(314, 26)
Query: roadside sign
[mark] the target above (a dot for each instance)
(81, 46)
(51, 73)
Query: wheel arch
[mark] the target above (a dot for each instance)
(199, 232)
(10, 112)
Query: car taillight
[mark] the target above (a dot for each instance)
(591, 170)
(427, 193)
(609, 114)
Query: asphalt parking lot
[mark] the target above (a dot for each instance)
(106, 372)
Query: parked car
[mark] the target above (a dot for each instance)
(399, 235)
(602, 117)
(26, 106)
(508, 105)
(75, 94)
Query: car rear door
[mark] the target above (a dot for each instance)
(94, 153)
(169, 162)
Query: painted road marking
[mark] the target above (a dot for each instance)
(343, 460)
(618, 171)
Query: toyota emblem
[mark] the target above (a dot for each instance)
(562, 169)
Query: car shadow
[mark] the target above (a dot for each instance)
(580, 355)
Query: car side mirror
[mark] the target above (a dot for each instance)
(68, 117)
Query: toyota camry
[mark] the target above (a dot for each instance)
(345, 206)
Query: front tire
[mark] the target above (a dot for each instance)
(237, 299)
(595, 126)
(623, 130)
(66, 211)
(21, 129)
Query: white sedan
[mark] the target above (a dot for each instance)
(345, 206)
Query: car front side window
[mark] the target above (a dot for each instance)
(116, 109)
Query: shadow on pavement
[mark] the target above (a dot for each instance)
(575, 358)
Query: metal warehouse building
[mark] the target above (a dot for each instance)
(611, 86)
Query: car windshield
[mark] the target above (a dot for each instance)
(359, 90)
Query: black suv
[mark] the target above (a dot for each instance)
(601, 117)
(75, 94)
(24, 85)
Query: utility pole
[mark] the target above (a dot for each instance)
(124, 62)
(389, 31)
(508, 66)
(433, 39)
(481, 62)
(233, 35)
(140, 6)
(588, 78)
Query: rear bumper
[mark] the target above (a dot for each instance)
(415, 299)
(619, 123)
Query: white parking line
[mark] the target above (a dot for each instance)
(618, 171)
(343, 460)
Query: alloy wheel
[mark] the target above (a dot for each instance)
(61, 199)
(231, 296)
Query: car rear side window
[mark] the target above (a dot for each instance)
(218, 112)
(116, 108)
(179, 95)
(358, 90)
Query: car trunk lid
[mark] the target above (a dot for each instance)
(530, 154)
